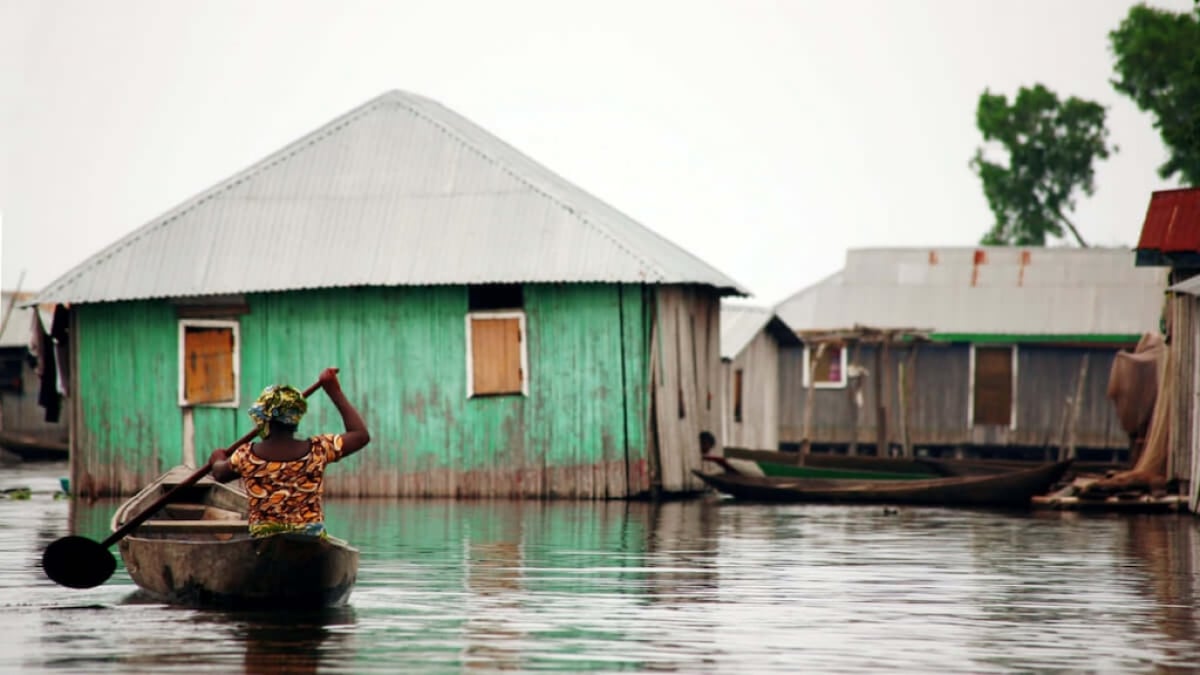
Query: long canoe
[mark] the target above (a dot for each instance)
(823, 465)
(1011, 488)
(34, 447)
(197, 551)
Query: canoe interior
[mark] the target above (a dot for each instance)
(797, 471)
(208, 511)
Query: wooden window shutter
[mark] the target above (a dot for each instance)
(208, 354)
(496, 355)
(993, 386)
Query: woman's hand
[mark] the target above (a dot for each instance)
(221, 469)
(329, 379)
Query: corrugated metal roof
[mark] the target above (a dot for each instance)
(740, 323)
(399, 191)
(1187, 287)
(985, 290)
(18, 329)
(1172, 222)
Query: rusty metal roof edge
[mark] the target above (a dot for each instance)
(1152, 236)
(864, 333)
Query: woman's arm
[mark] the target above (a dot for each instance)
(356, 435)
(222, 471)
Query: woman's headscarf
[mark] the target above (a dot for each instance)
(281, 403)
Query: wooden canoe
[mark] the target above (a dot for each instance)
(197, 551)
(1011, 488)
(34, 447)
(822, 465)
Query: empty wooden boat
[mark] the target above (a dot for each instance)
(822, 465)
(1010, 488)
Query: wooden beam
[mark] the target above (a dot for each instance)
(806, 445)
(880, 410)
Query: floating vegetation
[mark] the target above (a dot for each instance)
(17, 493)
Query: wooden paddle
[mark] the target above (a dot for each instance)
(79, 562)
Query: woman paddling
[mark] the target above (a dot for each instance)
(283, 475)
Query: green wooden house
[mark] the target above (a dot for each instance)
(504, 332)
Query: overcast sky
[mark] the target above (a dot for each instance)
(764, 137)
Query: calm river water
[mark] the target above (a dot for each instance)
(702, 586)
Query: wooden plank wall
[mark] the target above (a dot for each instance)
(582, 432)
(938, 414)
(686, 356)
(1189, 354)
(1047, 379)
(1182, 317)
(19, 411)
(126, 422)
(759, 427)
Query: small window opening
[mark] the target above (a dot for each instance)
(495, 296)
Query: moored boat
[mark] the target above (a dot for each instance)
(197, 551)
(824, 465)
(1010, 488)
(34, 447)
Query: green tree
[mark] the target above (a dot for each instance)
(1158, 67)
(1051, 146)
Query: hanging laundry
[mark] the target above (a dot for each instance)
(42, 347)
(60, 333)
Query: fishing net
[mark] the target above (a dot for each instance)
(1133, 383)
(1137, 381)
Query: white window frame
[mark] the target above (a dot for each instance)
(807, 357)
(1012, 414)
(184, 324)
(523, 342)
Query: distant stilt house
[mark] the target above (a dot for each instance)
(1170, 238)
(32, 420)
(751, 339)
(971, 352)
(504, 332)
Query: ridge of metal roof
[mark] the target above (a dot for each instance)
(984, 290)
(740, 323)
(384, 197)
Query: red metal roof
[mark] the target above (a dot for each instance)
(1172, 222)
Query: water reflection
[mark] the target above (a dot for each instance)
(294, 642)
(1171, 556)
(494, 560)
(697, 586)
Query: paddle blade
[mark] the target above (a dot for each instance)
(78, 562)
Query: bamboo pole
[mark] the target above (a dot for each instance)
(881, 390)
(1076, 404)
(853, 391)
(813, 359)
(907, 400)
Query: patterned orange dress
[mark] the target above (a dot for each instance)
(286, 496)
